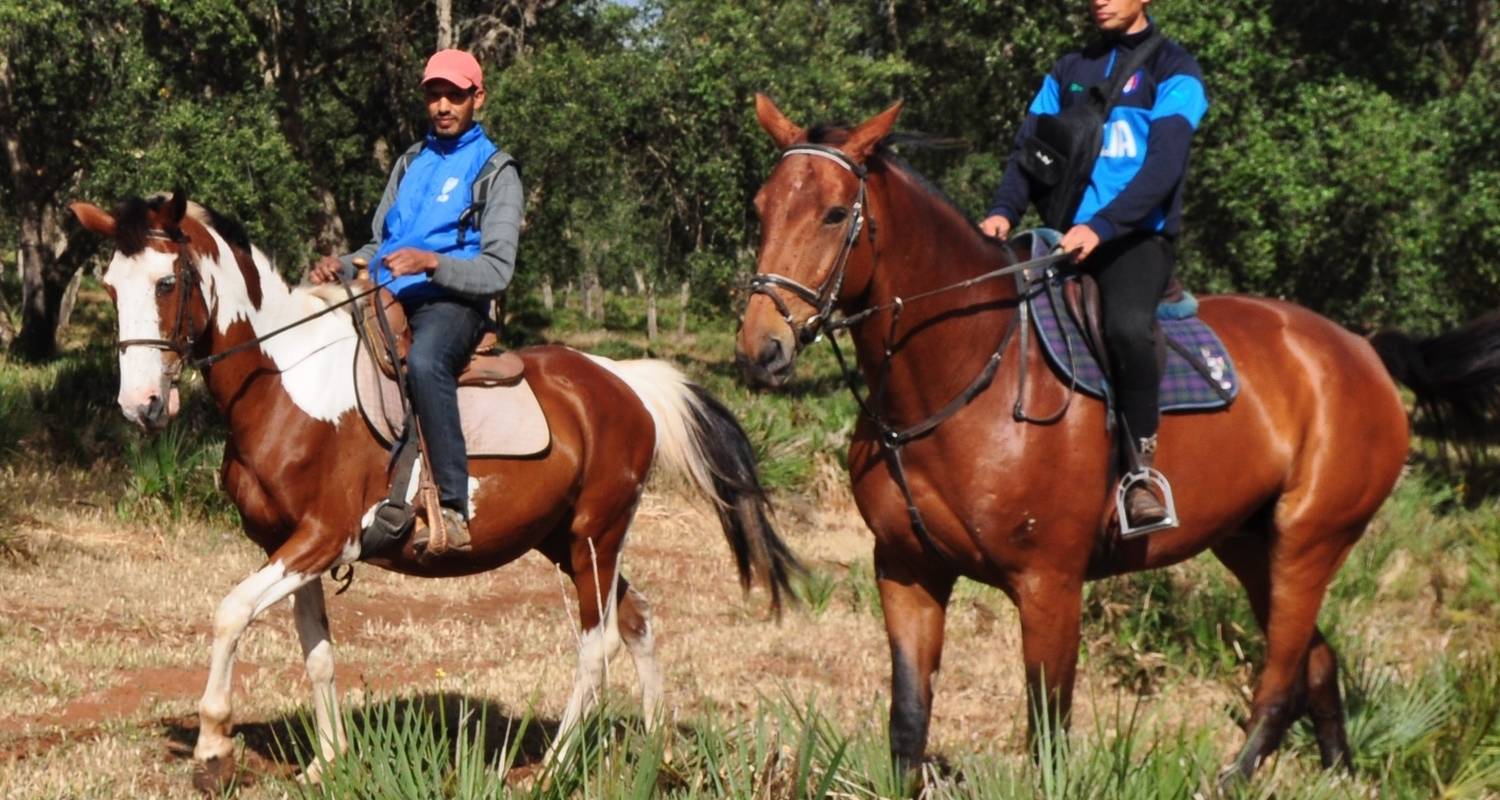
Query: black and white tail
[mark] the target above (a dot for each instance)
(697, 437)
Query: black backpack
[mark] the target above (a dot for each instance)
(1059, 156)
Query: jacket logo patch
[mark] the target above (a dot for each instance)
(1132, 84)
(448, 186)
(1075, 87)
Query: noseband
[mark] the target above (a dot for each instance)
(182, 338)
(823, 297)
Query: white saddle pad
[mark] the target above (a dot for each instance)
(497, 420)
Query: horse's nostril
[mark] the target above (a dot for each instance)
(771, 353)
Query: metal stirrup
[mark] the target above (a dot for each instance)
(1152, 479)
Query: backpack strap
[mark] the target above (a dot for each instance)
(479, 193)
(406, 158)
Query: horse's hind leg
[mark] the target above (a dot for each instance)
(317, 649)
(1301, 671)
(593, 565)
(634, 627)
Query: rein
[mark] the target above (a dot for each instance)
(182, 340)
(822, 299)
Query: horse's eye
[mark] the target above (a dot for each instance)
(835, 215)
(165, 285)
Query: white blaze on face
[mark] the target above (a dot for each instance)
(134, 282)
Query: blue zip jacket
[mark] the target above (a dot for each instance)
(433, 194)
(1137, 181)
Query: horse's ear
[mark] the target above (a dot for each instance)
(863, 140)
(783, 131)
(93, 218)
(177, 207)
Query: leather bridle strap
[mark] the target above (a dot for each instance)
(823, 297)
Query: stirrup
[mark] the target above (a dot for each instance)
(1151, 478)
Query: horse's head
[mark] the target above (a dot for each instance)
(813, 209)
(156, 287)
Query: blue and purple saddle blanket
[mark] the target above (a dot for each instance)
(1209, 385)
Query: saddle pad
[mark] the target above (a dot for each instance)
(1183, 388)
(497, 420)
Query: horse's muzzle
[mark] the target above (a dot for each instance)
(770, 367)
(154, 413)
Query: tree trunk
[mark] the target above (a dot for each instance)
(547, 302)
(42, 286)
(684, 296)
(69, 298)
(640, 281)
(444, 24)
(651, 312)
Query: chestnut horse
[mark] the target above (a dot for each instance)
(1279, 486)
(303, 468)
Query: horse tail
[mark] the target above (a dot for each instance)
(1455, 376)
(699, 438)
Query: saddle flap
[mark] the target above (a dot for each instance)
(488, 368)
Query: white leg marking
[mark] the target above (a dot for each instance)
(311, 616)
(643, 654)
(252, 596)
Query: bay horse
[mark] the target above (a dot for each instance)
(1279, 486)
(302, 467)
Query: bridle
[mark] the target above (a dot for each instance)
(182, 338)
(822, 298)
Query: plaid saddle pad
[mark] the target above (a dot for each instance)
(1184, 386)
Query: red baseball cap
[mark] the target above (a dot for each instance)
(454, 66)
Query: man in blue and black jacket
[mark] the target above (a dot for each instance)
(446, 253)
(1130, 214)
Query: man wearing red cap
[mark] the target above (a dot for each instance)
(445, 236)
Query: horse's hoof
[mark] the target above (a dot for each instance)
(213, 776)
(312, 776)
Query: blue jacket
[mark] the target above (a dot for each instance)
(1137, 181)
(433, 193)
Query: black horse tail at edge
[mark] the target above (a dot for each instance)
(1455, 376)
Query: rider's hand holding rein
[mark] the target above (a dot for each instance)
(1080, 238)
(996, 226)
(326, 270)
(411, 261)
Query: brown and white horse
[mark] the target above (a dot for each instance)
(1279, 486)
(303, 468)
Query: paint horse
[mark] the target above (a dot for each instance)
(1279, 486)
(302, 467)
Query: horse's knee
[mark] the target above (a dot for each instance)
(232, 616)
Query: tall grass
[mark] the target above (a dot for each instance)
(1437, 735)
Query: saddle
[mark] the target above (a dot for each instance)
(499, 412)
(489, 366)
(1197, 372)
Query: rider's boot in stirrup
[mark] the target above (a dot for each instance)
(1142, 506)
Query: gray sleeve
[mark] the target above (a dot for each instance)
(489, 272)
(377, 226)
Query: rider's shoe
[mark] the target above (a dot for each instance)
(1142, 506)
(457, 540)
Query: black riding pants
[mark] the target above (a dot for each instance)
(1132, 272)
(444, 333)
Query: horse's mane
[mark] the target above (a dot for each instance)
(887, 154)
(133, 223)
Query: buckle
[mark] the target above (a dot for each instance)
(1152, 479)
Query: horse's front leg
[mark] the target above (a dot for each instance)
(317, 651)
(1051, 609)
(914, 597)
(268, 586)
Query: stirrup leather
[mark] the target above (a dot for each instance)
(1152, 478)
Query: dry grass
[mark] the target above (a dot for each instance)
(104, 651)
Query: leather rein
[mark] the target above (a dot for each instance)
(822, 299)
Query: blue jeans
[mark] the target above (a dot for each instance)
(444, 333)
